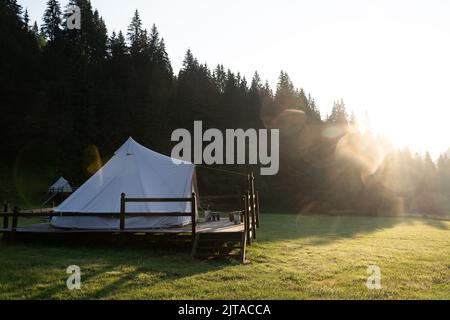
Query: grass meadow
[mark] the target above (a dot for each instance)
(295, 257)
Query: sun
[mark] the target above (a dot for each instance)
(413, 133)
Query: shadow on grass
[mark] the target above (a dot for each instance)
(323, 229)
(438, 224)
(40, 268)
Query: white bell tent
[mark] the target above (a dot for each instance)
(139, 173)
(62, 185)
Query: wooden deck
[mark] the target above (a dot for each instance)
(220, 226)
(215, 239)
(208, 239)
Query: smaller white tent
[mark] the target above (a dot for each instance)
(62, 185)
(139, 173)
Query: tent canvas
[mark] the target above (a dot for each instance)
(139, 173)
(62, 185)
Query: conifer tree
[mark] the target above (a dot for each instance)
(35, 29)
(51, 28)
(338, 113)
(285, 96)
(136, 35)
(26, 20)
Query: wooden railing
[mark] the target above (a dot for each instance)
(192, 214)
(15, 214)
(250, 212)
(250, 208)
(251, 215)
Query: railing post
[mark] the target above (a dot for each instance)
(193, 214)
(122, 211)
(247, 218)
(253, 221)
(257, 209)
(244, 199)
(253, 204)
(14, 223)
(5, 217)
(243, 209)
(15, 218)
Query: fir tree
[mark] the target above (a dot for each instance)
(338, 113)
(51, 28)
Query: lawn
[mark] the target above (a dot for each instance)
(295, 257)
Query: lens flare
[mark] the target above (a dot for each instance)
(93, 159)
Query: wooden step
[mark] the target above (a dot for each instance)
(219, 245)
(218, 248)
(220, 242)
(215, 243)
(222, 236)
(217, 255)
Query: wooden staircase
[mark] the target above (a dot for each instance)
(220, 245)
(224, 244)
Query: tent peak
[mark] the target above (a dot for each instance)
(133, 148)
(60, 185)
(128, 147)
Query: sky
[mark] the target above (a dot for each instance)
(389, 58)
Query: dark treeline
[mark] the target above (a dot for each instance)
(70, 98)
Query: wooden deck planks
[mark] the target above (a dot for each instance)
(205, 227)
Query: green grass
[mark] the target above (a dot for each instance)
(296, 257)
